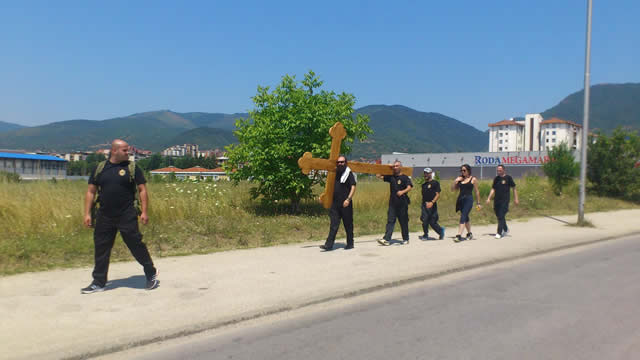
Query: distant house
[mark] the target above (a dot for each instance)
(33, 166)
(194, 173)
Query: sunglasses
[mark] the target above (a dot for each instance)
(463, 170)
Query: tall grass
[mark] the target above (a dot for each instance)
(41, 222)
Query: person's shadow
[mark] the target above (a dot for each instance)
(133, 282)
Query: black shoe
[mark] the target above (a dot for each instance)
(348, 247)
(325, 248)
(458, 238)
(92, 288)
(152, 282)
(469, 236)
(423, 237)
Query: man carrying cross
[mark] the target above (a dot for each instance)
(341, 207)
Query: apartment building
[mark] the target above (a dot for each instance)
(533, 134)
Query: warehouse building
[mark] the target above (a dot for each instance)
(33, 166)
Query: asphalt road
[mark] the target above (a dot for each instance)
(578, 304)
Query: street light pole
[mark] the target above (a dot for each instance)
(585, 121)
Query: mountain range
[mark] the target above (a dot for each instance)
(395, 127)
(610, 106)
(5, 126)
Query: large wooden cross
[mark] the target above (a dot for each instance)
(307, 163)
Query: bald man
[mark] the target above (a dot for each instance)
(115, 185)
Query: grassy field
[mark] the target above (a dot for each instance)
(41, 222)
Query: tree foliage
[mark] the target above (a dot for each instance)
(561, 168)
(612, 163)
(157, 161)
(285, 123)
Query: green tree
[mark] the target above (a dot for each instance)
(561, 168)
(153, 162)
(612, 160)
(285, 123)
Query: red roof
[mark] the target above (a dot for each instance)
(555, 120)
(506, 123)
(168, 169)
(195, 169)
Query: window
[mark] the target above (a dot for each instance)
(500, 141)
(500, 148)
(500, 135)
(547, 140)
(553, 140)
(547, 132)
(553, 133)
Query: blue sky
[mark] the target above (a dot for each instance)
(476, 61)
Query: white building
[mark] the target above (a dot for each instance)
(194, 173)
(533, 134)
(181, 150)
(506, 135)
(555, 131)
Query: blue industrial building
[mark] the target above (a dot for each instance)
(33, 166)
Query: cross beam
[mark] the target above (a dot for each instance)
(307, 163)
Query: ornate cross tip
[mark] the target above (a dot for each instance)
(305, 163)
(337, 131)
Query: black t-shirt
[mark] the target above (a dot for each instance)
(397, 183)
(116, 191)
(502, 187)
(341, 191)
(429, 190)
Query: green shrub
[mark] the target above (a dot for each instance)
(612, 167)
(562, 167)
(8, 177)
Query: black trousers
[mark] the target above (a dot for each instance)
(501, 208)
(337, 212)
(400, 212)
(104, 237)
(430, 217)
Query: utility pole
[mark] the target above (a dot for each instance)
(585, 121)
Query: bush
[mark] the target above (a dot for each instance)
(611, 164)
(561, 168)
(8, 177)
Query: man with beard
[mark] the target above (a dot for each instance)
(399, 186)
(341, 207)
(501, 188)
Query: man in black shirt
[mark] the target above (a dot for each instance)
(341, 207)
(430, 196)
(501, 188)
(399, 186)
(116, 189)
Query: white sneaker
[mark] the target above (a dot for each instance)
(498, 236)
(505, 233)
